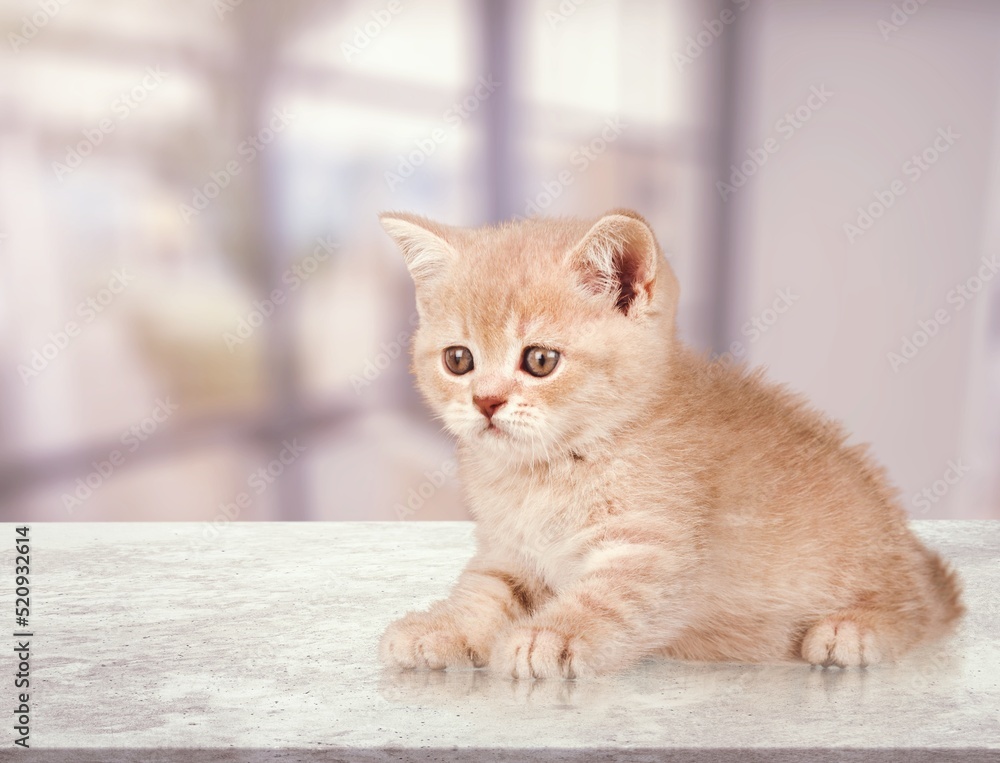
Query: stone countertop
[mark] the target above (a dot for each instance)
(248, 642)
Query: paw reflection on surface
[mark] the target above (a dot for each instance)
(723, 689)
(445, 687)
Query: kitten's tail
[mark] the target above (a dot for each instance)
(948, 607)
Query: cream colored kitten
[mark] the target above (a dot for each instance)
(633, 498)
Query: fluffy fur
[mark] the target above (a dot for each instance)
(641, 499)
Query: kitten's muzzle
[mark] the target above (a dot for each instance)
(489, 405)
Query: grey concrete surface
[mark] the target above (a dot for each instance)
(250, 642)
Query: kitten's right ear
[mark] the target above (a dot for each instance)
(423, 243)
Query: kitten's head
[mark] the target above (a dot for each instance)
(540, 337)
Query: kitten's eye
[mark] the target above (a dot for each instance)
(539, 361)
(458, 360)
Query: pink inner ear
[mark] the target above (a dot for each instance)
(623, 282)
(628, 272)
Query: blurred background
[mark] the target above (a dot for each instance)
(201, 319)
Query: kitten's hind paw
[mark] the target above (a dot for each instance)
(842, 642)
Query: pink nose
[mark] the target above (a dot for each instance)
(488, 405)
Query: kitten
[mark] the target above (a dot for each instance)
(633, 498)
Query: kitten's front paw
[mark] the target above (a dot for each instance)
(528, 652)
(423, 641)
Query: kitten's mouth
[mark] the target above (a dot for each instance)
(492, 430)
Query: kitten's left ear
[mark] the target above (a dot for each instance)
(618, 259)
(422, 242)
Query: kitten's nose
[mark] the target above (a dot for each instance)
(488, 405)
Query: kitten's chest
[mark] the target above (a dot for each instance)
(539, 522)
